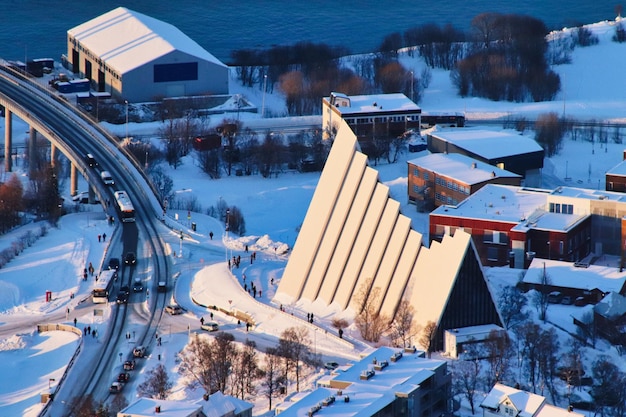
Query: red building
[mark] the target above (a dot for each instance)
(512, 225)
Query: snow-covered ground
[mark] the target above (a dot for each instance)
(273, 209)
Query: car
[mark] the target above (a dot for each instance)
(114, 263)
(130, 258)
(137, 286)
(173, 310)
(122, 297)
(567, 300)
(555, 297)
(162, 286)
(91, 161)
(106, 177)
(125, 289)
(210, 326)
(331, 365)
(116, 387)
(581, 301)
(129, 365)
(83, 198)
(123, 377)
(139, 352)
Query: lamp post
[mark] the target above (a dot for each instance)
(264, 88)
(126, 101)
(226, 231)
(411, 85)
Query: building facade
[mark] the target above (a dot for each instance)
(437, 179)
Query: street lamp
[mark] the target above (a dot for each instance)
(126, 101)
(264, 88)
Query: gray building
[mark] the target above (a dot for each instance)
(138, 58)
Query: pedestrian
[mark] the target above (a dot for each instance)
(211, 315)
(159, 342)
(211, 235)
(260, 293)
(201, 320)
(272, 281)
(246, 248)
(341, 333)
(88, 329)
(99, 238)
(247, 326)
(104, 237)
(245, 287)
(75, 321)
(244, 277)
(85, 331)
(228, 263)
(85, 274)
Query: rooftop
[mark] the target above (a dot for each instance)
(378, 103)
(489, 144)
(461, 167)
(566, 274)
(126, 39)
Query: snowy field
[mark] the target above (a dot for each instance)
(273, 210)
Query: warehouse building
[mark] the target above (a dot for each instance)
(138, 58)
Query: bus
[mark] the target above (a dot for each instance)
(100, 293)
(126, 209)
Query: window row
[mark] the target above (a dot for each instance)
(561, 208)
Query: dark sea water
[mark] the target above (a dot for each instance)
(37, 28)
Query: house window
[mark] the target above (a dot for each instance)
(426, 175)
(416, 172)
(416, 189)
(492, 254)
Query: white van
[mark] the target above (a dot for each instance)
(107, 178)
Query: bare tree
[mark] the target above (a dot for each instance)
(369, 321)
(541, 296)
(511, 303)
(196, 365)
(466, 376)
(498, 351)
(427, 337)
(403, 328)
(245, 371)
(157, 384)
(11, 193)
(295, 347)
(229, 129)
(223, 352)
(530, 337)
(271, 374)
(549, 133)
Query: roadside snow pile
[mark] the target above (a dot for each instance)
(258, 244)
(14, 342)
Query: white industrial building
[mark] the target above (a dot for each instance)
(138, 58)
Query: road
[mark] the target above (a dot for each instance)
(75, 136)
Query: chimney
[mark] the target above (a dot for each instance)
(157, 409)
(205, 396)
(473, 165)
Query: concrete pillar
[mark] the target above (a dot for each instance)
(8, 139)
(73, 179)
(32, 150)
(53, 154)
(92, 195)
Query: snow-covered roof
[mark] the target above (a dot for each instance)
(498, 203)
(589, 194)
(126, 39)
(378, 103)
(526, 403)
(488, 143)
(613, 305)
(144, 406)
(366, 397)
(219, 405)
(567, 275)
(461, 167)
(619, 169)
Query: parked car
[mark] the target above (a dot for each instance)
(581, 301)
(139, 352)
(129, 365)
(567, 300)
(116, 387)
(173, 310)
(123, 377)
(210, 326)
(162, 286)
(83, 198)
(331, 365)
(130, 258)
(555, 297)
